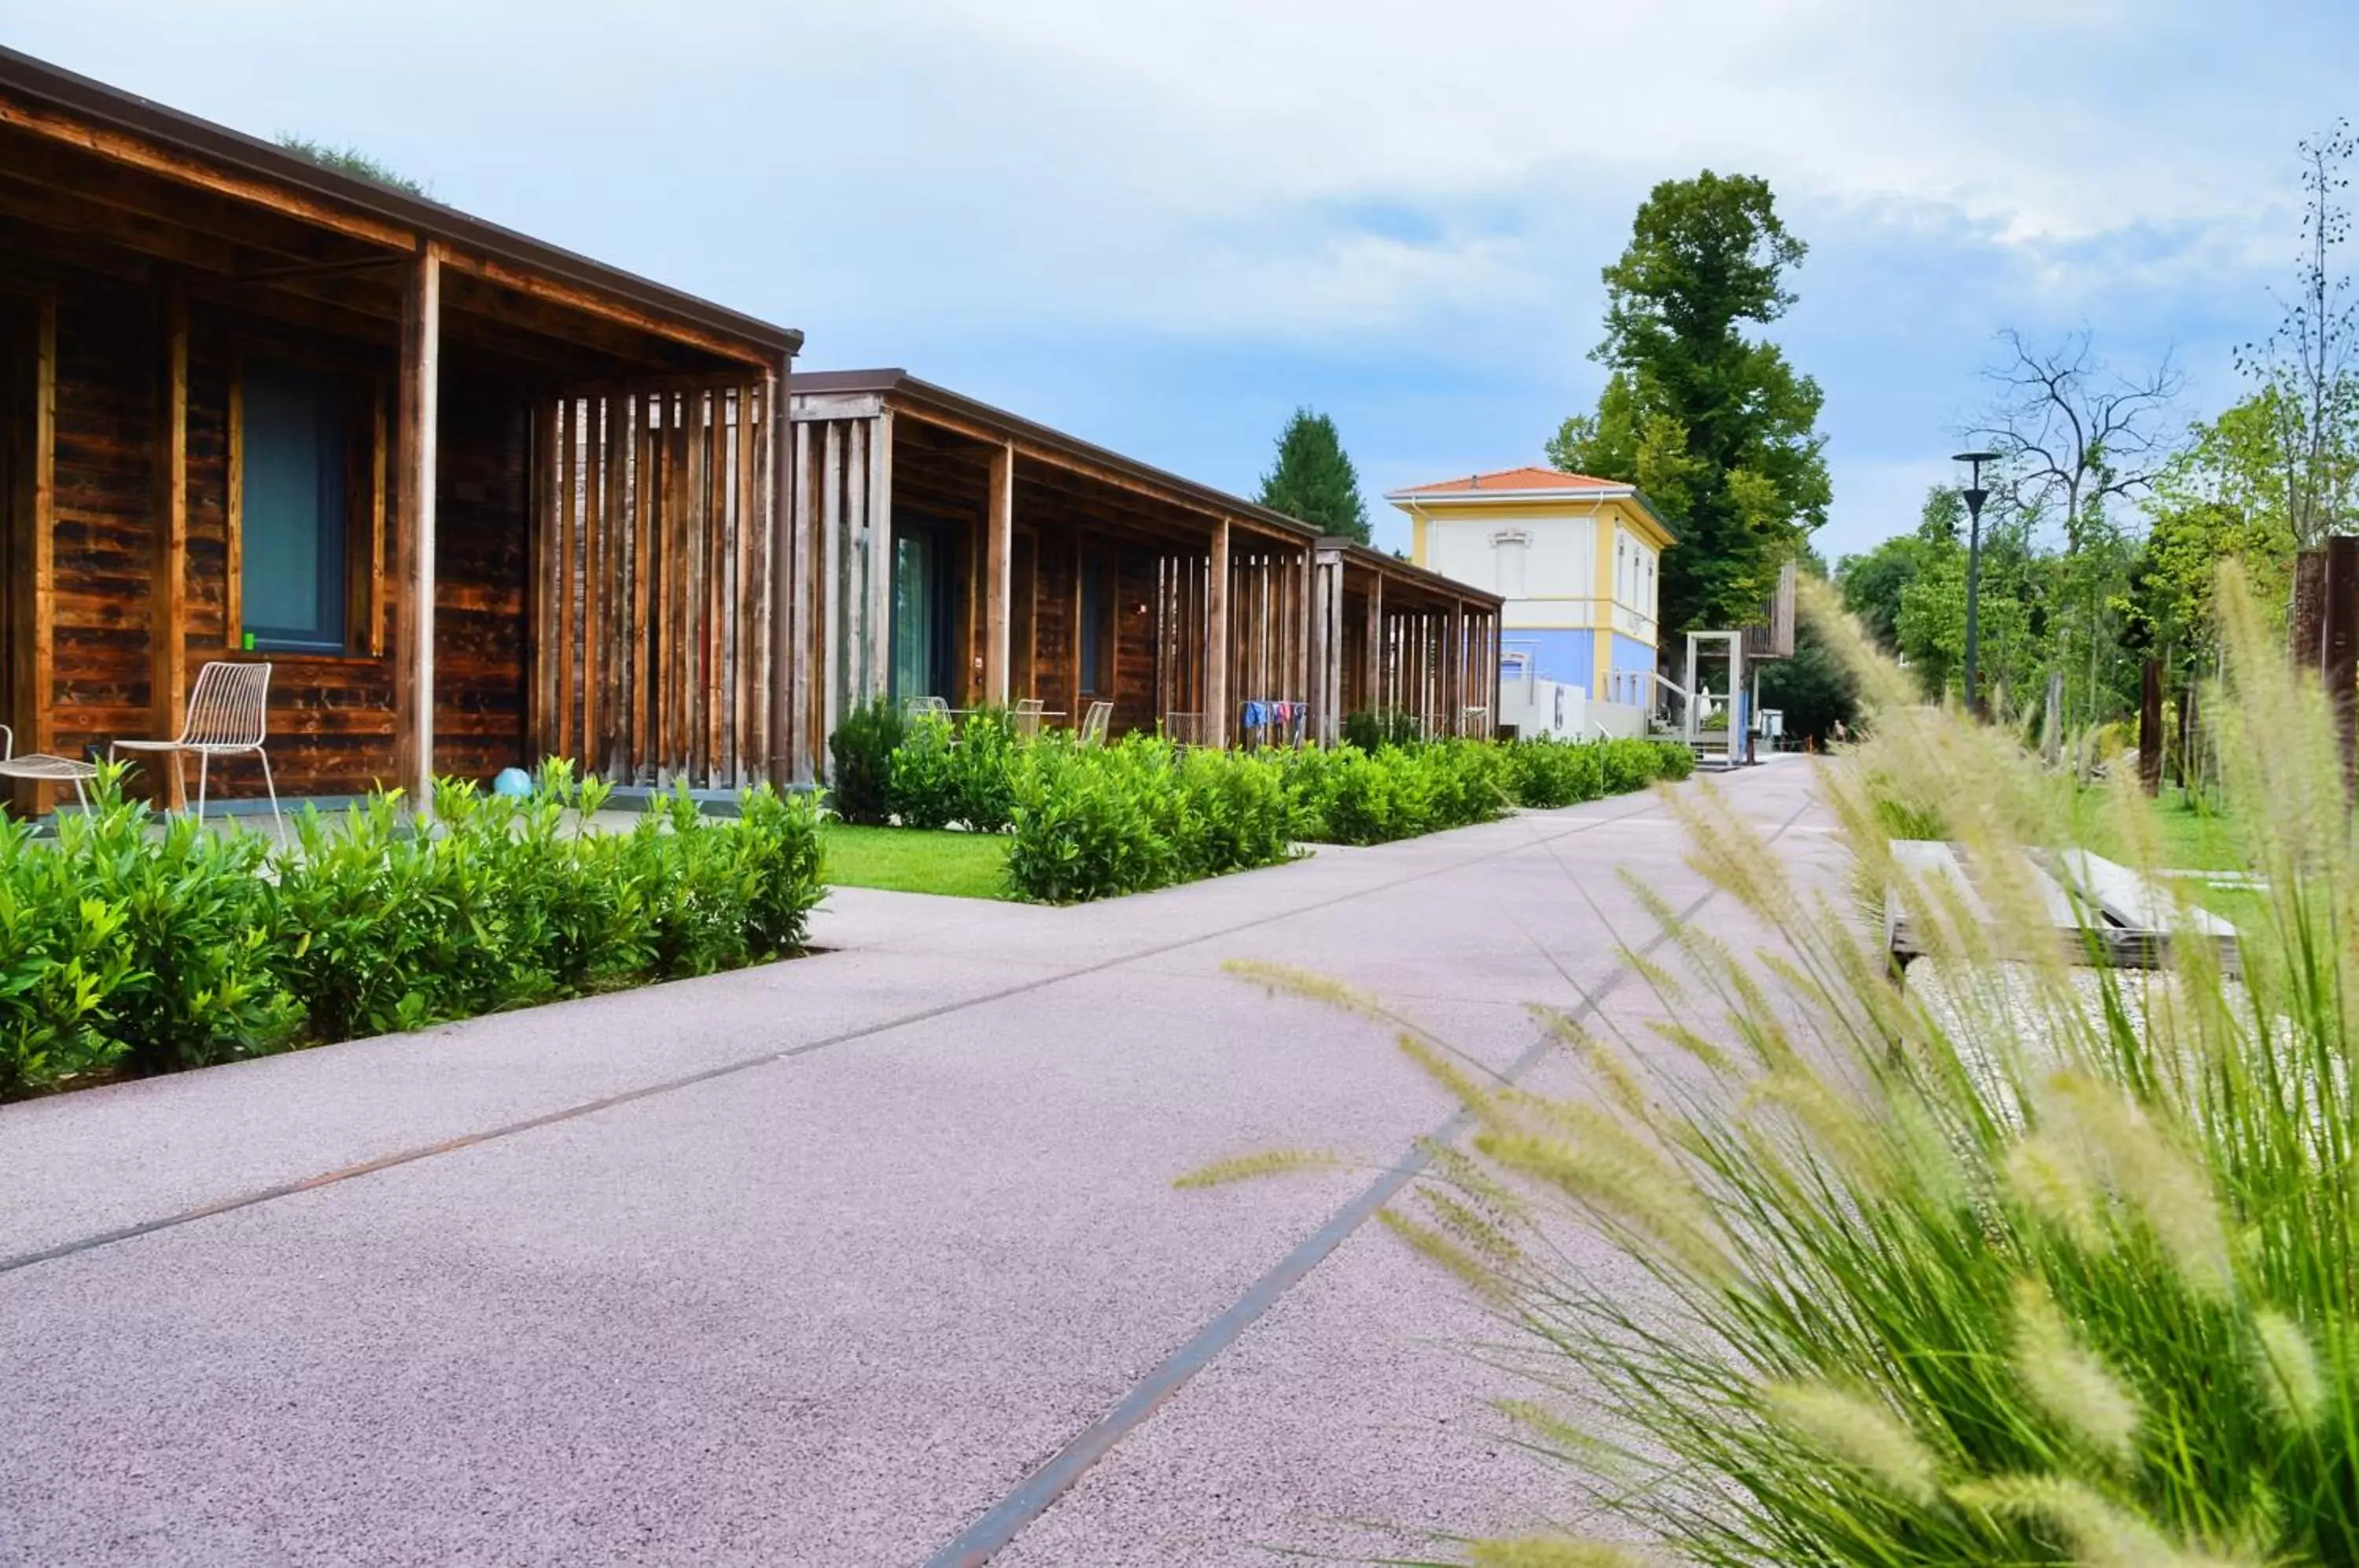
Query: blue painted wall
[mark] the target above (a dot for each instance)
(1629, 653)
(1565, 655)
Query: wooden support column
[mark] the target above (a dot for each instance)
(413, 682)
(880, 553)
(1216, 639)
(1372, 691)
(794, 609)
(1305, 615)
(1328, 700)
(833, 612)
(999, 573)
(168, 631)
(32, 577)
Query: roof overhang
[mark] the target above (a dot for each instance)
(1415, 500)
(110, 122)
(843, 393)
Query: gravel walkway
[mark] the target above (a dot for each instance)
(870, 1257)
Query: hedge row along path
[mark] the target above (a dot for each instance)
(868, 1258)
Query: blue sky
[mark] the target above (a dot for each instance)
(1161, 226)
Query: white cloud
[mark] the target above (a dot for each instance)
(1396, 207)
(2001, 111)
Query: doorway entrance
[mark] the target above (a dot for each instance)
(925, 611)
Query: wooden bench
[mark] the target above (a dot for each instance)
(2102, 912)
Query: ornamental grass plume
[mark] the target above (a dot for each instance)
(2026, 1260)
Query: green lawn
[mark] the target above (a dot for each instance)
(907, 860)
(2193, 838)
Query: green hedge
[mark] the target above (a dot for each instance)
(123, 952)
(1098, 821)
(1351, 796)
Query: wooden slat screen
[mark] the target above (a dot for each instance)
(651, 592)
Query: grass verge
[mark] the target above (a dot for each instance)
(915, 860)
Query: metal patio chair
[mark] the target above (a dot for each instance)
(1094, 724)
(1026, 721)
(228, 715)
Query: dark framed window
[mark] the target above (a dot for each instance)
(296, 456)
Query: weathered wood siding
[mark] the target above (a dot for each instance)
(332, 722)
(651, 585)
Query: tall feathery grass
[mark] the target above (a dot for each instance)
(2025, 1262)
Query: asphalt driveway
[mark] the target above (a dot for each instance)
(868, 1258)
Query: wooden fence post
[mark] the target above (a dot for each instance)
(2150, 727)
(2338, 648)
(2305, 624)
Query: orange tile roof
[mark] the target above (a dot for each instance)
(1516, 479)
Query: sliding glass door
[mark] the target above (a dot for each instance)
(924, 624)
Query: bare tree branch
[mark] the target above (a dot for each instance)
(2072, 433)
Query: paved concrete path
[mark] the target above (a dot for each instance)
(868, 1258)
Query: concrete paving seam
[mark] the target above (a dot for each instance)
(1006, 1520)
(9, 1265)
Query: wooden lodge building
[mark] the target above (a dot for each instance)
(481, 501)
(975, 556)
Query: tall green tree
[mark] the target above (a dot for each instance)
(1314, 480)
(1713, 424)
(1870, 584)
(2230, 492)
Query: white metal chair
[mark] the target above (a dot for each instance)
(228, 714)
(916, 705)
(1094, 723)
(1026, 721)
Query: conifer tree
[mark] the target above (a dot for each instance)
(1314, 480)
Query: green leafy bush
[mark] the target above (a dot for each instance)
(982, 790)
(925, 788)
(1145, 814)
(136, 950)
(190, 917)
(1549, 774)
(1100, 822)
(1373, 729)
(862, 747)
(1084, 825)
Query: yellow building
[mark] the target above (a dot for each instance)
(1577, 560)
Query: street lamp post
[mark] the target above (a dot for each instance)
(1974, 495)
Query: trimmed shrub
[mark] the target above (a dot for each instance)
(925, 787)
(982, 792)
(1238, 814)
(1084, 825)
(862, 747)
(1097, 823)
(1547, 774)
(1373, 729)
(128, 953)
